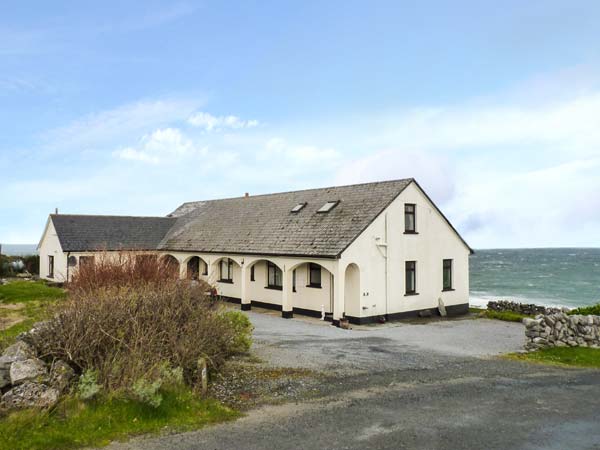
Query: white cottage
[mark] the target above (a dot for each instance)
(366, 252)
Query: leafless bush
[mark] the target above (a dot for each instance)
(126, 319)
(111, 269)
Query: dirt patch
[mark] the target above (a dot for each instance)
(247, 382)
(9, 321)
(12, 306)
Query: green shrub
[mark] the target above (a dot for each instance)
(88, 386)
(593, 310)
(148, 392)
(242, 331)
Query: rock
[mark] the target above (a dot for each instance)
(540, 341)
(29, 395)
(529, 322)
(27, 370)
(20, 350)
(441, 308)
(61, 376)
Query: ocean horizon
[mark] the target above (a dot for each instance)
(561, 276)
(546, 276)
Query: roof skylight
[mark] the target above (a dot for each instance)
(298, 207)
(328, 206)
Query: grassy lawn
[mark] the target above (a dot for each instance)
(571, 356)
(507, 316)
(25, 302)
(74, 423)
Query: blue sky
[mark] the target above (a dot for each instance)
(135, 107)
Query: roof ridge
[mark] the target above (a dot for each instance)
(110, 216)
(304, 190)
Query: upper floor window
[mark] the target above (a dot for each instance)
(411, 277)
(50, 266)
(314, 275)
(274, 276)
(410, 218)
(226, 270)
(298, 207)
(447, 276)
(328, 206)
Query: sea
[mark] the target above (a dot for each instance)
(19, 249)
(546, 276)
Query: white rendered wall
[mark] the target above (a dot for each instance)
(434, 242)
(50, 246)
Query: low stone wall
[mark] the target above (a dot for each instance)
(521, 308)
(561, 330)
(26, 380)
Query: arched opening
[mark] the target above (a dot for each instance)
(312, 288)
(170, 265)
(265, 273)
(352, 291)
(193, 268)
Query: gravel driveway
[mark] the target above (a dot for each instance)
(431, 386)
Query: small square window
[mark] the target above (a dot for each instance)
(328, 206)
(314, 275)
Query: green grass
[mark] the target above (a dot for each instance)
(593, 310)
(507, 316)
(570, 356)
(35, 296)
(27, 291)
(74, 423)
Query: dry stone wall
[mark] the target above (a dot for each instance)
(521, 308)
(562, 330)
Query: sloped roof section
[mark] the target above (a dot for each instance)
(86, 233)
(263, 224)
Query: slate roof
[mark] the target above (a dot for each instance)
(263, 224)
(85, 233)
(259, 224)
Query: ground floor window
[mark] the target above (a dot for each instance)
(447, 277)
(411, 277)
(50, 266)
(274, 276)
(86, 261)
(205, 268)
(226, 269)
(314, 275)
(252, 273)
(294, 280)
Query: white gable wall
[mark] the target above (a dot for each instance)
(50, 246)
(434, 242)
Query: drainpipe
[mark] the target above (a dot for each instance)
(386, 264)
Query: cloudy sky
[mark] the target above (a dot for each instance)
(135, 107)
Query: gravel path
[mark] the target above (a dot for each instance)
(432, 386)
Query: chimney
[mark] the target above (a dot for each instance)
(246, 195)
(55, 210)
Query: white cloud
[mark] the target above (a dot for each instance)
(107, 128)
(218, 123)
(162, 145)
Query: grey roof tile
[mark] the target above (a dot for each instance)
(86, 233)
(263, 224)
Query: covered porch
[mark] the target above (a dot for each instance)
(310, 286)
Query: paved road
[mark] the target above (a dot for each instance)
(435, 386)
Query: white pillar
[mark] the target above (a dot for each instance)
(338, 294)
(245, 299)
(182, 270)
(286, 295)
